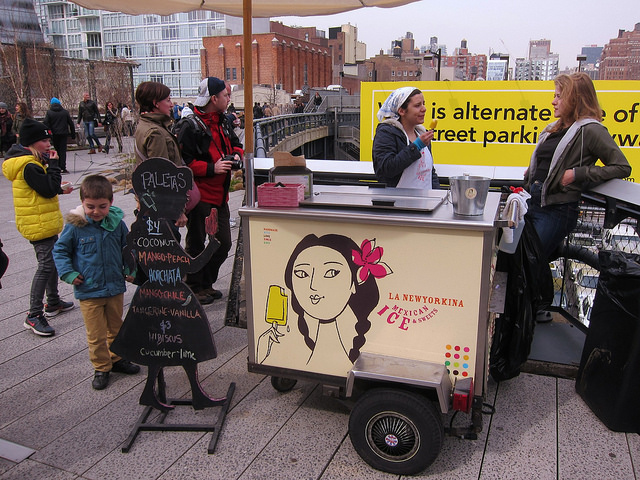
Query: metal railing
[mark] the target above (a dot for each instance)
(270, 131)
(605, 223)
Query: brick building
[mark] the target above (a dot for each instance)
(385, 68)
(288, 58)
(465, 65)
(620, 58)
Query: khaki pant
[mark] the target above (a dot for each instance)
(102, 319)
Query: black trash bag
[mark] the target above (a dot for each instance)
(4, 262)
(529, 289)
(608, 378)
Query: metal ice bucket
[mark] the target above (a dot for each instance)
(469, 194)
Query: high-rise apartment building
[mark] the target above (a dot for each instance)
(345, 49)
(620, 58)
(497, 67)
(541, 64)
(19, 23)
(166, 48)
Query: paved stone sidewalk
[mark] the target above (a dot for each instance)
(541, 428)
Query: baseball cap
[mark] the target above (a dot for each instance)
(208, 87)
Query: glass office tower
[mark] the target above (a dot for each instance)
(167, 48)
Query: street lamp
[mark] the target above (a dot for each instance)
(581, 58)
(430, 56)
(506, 70)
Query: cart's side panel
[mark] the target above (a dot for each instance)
(321, 291)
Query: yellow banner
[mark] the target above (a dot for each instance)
(497, 123)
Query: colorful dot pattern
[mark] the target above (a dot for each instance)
(457, 360)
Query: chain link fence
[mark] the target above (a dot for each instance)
(575, 276)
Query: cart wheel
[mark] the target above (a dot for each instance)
(282, 384)
(396, 431)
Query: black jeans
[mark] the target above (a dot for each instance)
(60, 144)
(45, 278)
(113, 131)
(195, 243)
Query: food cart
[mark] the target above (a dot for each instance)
(381, 295)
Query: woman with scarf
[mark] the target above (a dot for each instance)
(402, 145)
(112, 127)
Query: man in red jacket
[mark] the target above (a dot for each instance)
(207, 145)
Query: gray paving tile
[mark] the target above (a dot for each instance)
(305, 444)
(347, 465)
(19, 400)
(91, 439)
(5, 465)
(249, 428)
(35, 470)
(44, 353)
(47, 423)
(523, 430)
(634, 450)
(581, 435)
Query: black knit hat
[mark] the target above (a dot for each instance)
(31, 131)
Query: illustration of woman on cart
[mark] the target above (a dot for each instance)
(333, 284)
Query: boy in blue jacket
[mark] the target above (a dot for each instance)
(88, 255)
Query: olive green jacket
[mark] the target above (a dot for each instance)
(586, 142)
(154, 139)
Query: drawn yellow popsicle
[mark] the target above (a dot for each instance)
(277, 306)
(433, 124)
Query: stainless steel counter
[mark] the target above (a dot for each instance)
(442, 216)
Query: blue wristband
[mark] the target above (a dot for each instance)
(418, 143)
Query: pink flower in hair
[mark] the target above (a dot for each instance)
(369, 261)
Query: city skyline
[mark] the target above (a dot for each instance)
(570, 25)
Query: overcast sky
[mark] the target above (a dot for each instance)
(504, 26)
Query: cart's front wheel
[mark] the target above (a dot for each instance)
(283, 384)
(396, 431)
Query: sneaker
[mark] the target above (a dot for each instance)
(213, 293)
(203, 298)
(125, 366)
(92, 151)
(100, 148)
(65, 171)
(53, 310)
(100, 380)
(39, 325)
(543, 317)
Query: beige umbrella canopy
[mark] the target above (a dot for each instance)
(240, 8)
(260, 8)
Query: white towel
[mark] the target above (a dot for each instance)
(514, 211)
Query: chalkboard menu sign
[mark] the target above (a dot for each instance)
(165, 324)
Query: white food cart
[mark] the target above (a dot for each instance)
(381, 295)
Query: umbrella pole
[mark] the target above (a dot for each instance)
(248, 101)
(248, 75)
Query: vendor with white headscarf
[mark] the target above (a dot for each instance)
(402, 146)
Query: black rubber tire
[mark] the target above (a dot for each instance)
(282, 384)
(396, 431)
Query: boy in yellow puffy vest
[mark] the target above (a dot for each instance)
(33, 170)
